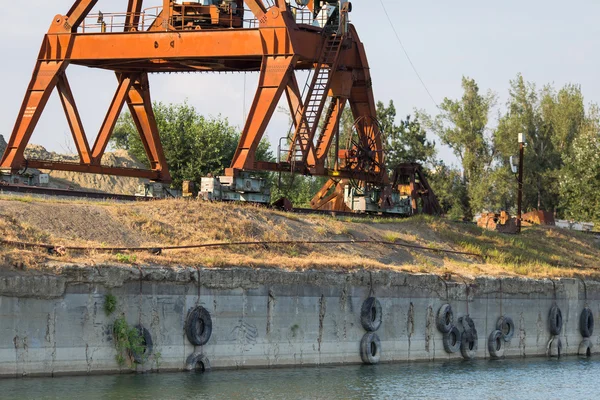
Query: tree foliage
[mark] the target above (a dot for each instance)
(580, 177)
(462, 125)
(194, 145)
(297, 188)
(404, 142)
(550, 120)
(561, 157)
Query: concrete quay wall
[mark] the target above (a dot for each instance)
(55, 323)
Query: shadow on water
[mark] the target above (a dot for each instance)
(502, 379)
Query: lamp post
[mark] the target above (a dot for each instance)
(520, 180)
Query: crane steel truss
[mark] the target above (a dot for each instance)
(277, 46)
(276, 40)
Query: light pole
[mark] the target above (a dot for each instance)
(520, 180)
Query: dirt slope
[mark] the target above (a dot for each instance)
(91, 182)
(538, 252)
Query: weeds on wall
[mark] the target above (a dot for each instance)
(128, 341)
(110, 304)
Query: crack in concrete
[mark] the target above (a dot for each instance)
(322, 310)
(270, 306)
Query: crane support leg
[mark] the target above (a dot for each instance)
(79, 10)
(294, 98)
(73, 118)
(45, 77)
(140, 107)
(274, 77)
(258, 9)
(134, 8)
(111, 119)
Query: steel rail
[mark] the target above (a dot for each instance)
(37, 190)
(25, 189)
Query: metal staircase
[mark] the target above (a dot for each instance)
(302, 141)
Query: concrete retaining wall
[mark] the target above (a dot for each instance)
(53, 324)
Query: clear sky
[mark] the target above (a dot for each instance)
(549, 41)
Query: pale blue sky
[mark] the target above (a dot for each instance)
(548, 41)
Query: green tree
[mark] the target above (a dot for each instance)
(406, 142)
(462, 125)
(580, 177)
(297, 188)
(551, 121)
(194, 146)
(448, 186)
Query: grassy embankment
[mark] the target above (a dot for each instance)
(538, 252)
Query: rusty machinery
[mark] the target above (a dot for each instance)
(273, 37)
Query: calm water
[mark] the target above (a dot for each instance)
(515, 379)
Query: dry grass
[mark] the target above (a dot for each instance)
(538, 252)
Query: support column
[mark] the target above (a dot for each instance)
(43, 81)
(132, 20)
(294, 98)
(73, 118)
(111, 119)
(274, 77)
(140, 107)
(79, 10)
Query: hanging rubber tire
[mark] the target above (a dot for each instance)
(467, 326)
(452, 340)
(586, 323)
(147, 346)
(555, 347)
(507, 327)
(198, 326)
(371, 314)
(468, 345)
(197, 362)
(370, 348)
(585, 348)
(496, 344)
(445, 318)
(555, 320)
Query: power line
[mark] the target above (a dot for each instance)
(406, 54)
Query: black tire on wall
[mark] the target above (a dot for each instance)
(370, 348)
(585, 348)
(586, 323)
(467, 326)
(147, 346)
(507, 327)
(496, 344)
(468, 345)
(452, 340)
(555, 320)
(445, 318)
(197, 362)
(555, 347)
(198, 326)
(371, 314)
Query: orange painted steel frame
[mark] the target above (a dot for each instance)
(276, 48)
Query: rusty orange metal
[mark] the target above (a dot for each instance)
(271, 37)
(502, 222)
(539, 217)
(274, 38)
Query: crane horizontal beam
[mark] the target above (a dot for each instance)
(87, 48)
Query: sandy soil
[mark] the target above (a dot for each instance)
(537, 252)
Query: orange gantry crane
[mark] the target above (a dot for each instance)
(273, 37)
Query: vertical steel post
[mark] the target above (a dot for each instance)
(520, 180)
